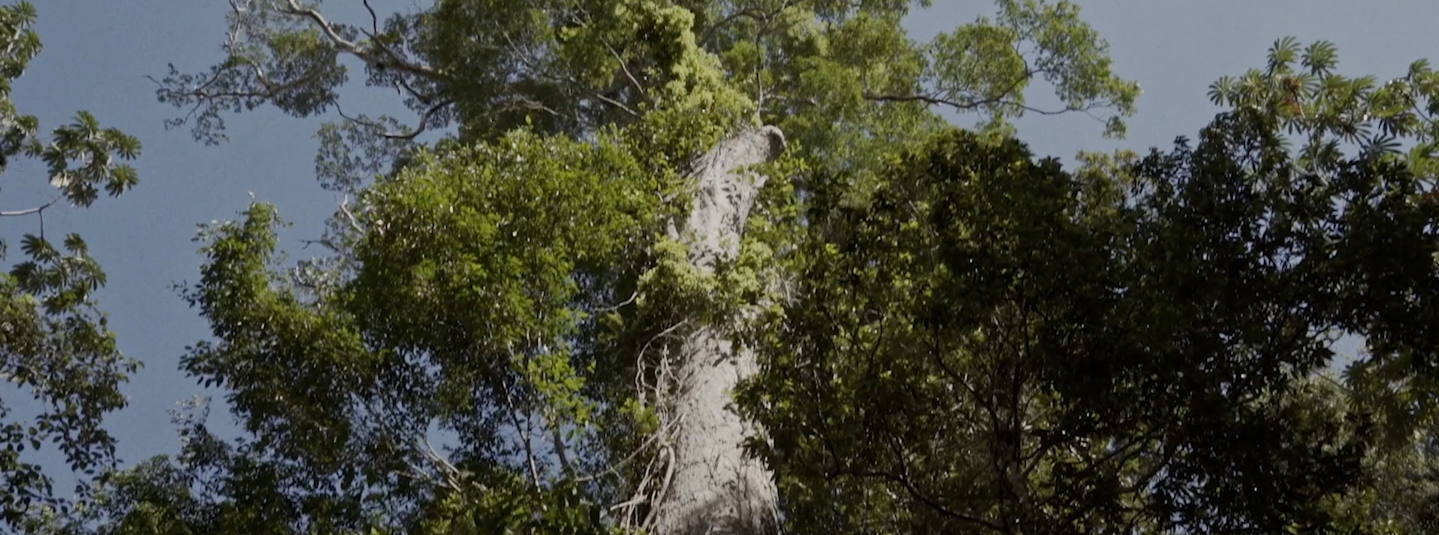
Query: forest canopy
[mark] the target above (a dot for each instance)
(692, 266)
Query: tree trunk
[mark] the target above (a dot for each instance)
(713, 487)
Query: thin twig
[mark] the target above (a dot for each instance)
(424, 122)
(374, 19)
(750, 12)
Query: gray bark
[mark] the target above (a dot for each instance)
(713, 487)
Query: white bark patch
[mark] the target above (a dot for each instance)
(713, 487)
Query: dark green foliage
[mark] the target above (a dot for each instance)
(506, 285)
(990, 344)
(959, 339)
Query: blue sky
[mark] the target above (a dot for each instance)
(97, 54)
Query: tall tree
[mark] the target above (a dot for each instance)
(954, 337)
(560, 283)
(1329, 117)
(988, 344)
(54, 344)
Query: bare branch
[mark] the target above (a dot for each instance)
(634, 295)
(625, 68)
(422, 97)
(390, 59)
(543, 72)
(354, 222)
(523, 431)
(560, 451)
(374, 19)
(403, 136)
(452, 474)
(613, 468)
(294, 8)
(970, 105)
(28, 211)
(616, 103)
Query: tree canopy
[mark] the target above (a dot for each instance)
(622, 239)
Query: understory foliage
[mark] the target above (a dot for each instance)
(954, 335)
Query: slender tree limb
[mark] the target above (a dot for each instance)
(374, 19)
(559, 445)
(619, 305)
(969, 104)
(625, 68)
(914, 492)
(383, 132)
(425, 99)
(544, 73)
(752, 13)
(202, 93)
(452, 473)
(524, 433)
(391, 60)
(28, 211)
(749, 12)
(354, 221)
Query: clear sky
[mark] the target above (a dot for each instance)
(97, 53)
